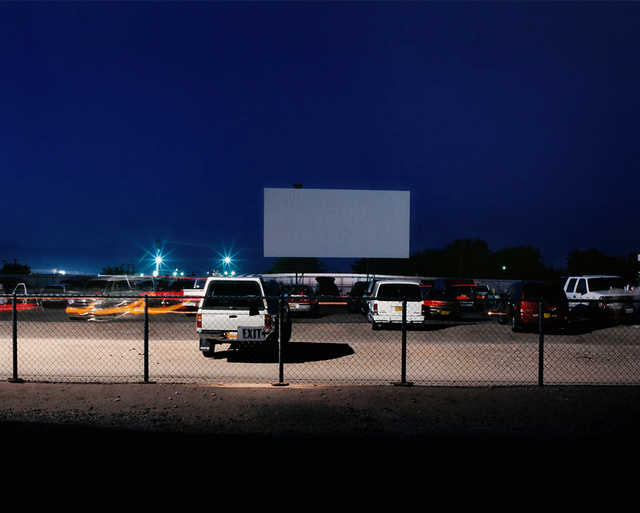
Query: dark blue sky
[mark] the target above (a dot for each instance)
(126, 122)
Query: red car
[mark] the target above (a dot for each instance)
(521, 304)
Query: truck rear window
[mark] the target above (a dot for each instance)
(231, 294)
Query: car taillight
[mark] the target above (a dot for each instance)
(267, 321)
(199, 321)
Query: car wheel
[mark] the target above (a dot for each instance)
(515, 325)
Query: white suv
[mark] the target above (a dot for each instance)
(385, 303)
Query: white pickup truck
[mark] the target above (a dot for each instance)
(241, 310)
(598, 297)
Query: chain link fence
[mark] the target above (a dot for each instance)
(146, 339)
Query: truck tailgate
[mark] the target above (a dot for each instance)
(229, 320)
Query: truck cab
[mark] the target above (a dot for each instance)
(598, 297)
(241, 310)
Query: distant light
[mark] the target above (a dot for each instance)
(158, 259)
(227, 260)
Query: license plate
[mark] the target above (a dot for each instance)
(444, 312)
(398, 309)
(546, 315)
(231, 335)
(251, 333)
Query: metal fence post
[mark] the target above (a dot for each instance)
(540, 345)
(403, 364)
(280, 352)
(14, 329)
(146, 338)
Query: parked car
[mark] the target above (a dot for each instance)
(188, 291)
(485, 298)
(355, 299)
(56, 295)
(465, 290)
(426, 286)
(441, 304)
(301, 299)
(519, 306)
(327, 287)
(20, 288)
(598, 297)
(482, 290)
(386, 300)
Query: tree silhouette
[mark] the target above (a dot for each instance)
(14, 268)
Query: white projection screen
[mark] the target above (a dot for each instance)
(335, 223)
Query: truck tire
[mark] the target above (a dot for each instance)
(286, 331)
(210, 352)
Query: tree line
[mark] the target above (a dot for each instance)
(472, 258)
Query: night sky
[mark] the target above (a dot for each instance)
(127, 123)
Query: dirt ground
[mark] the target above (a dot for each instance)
(326, 421)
